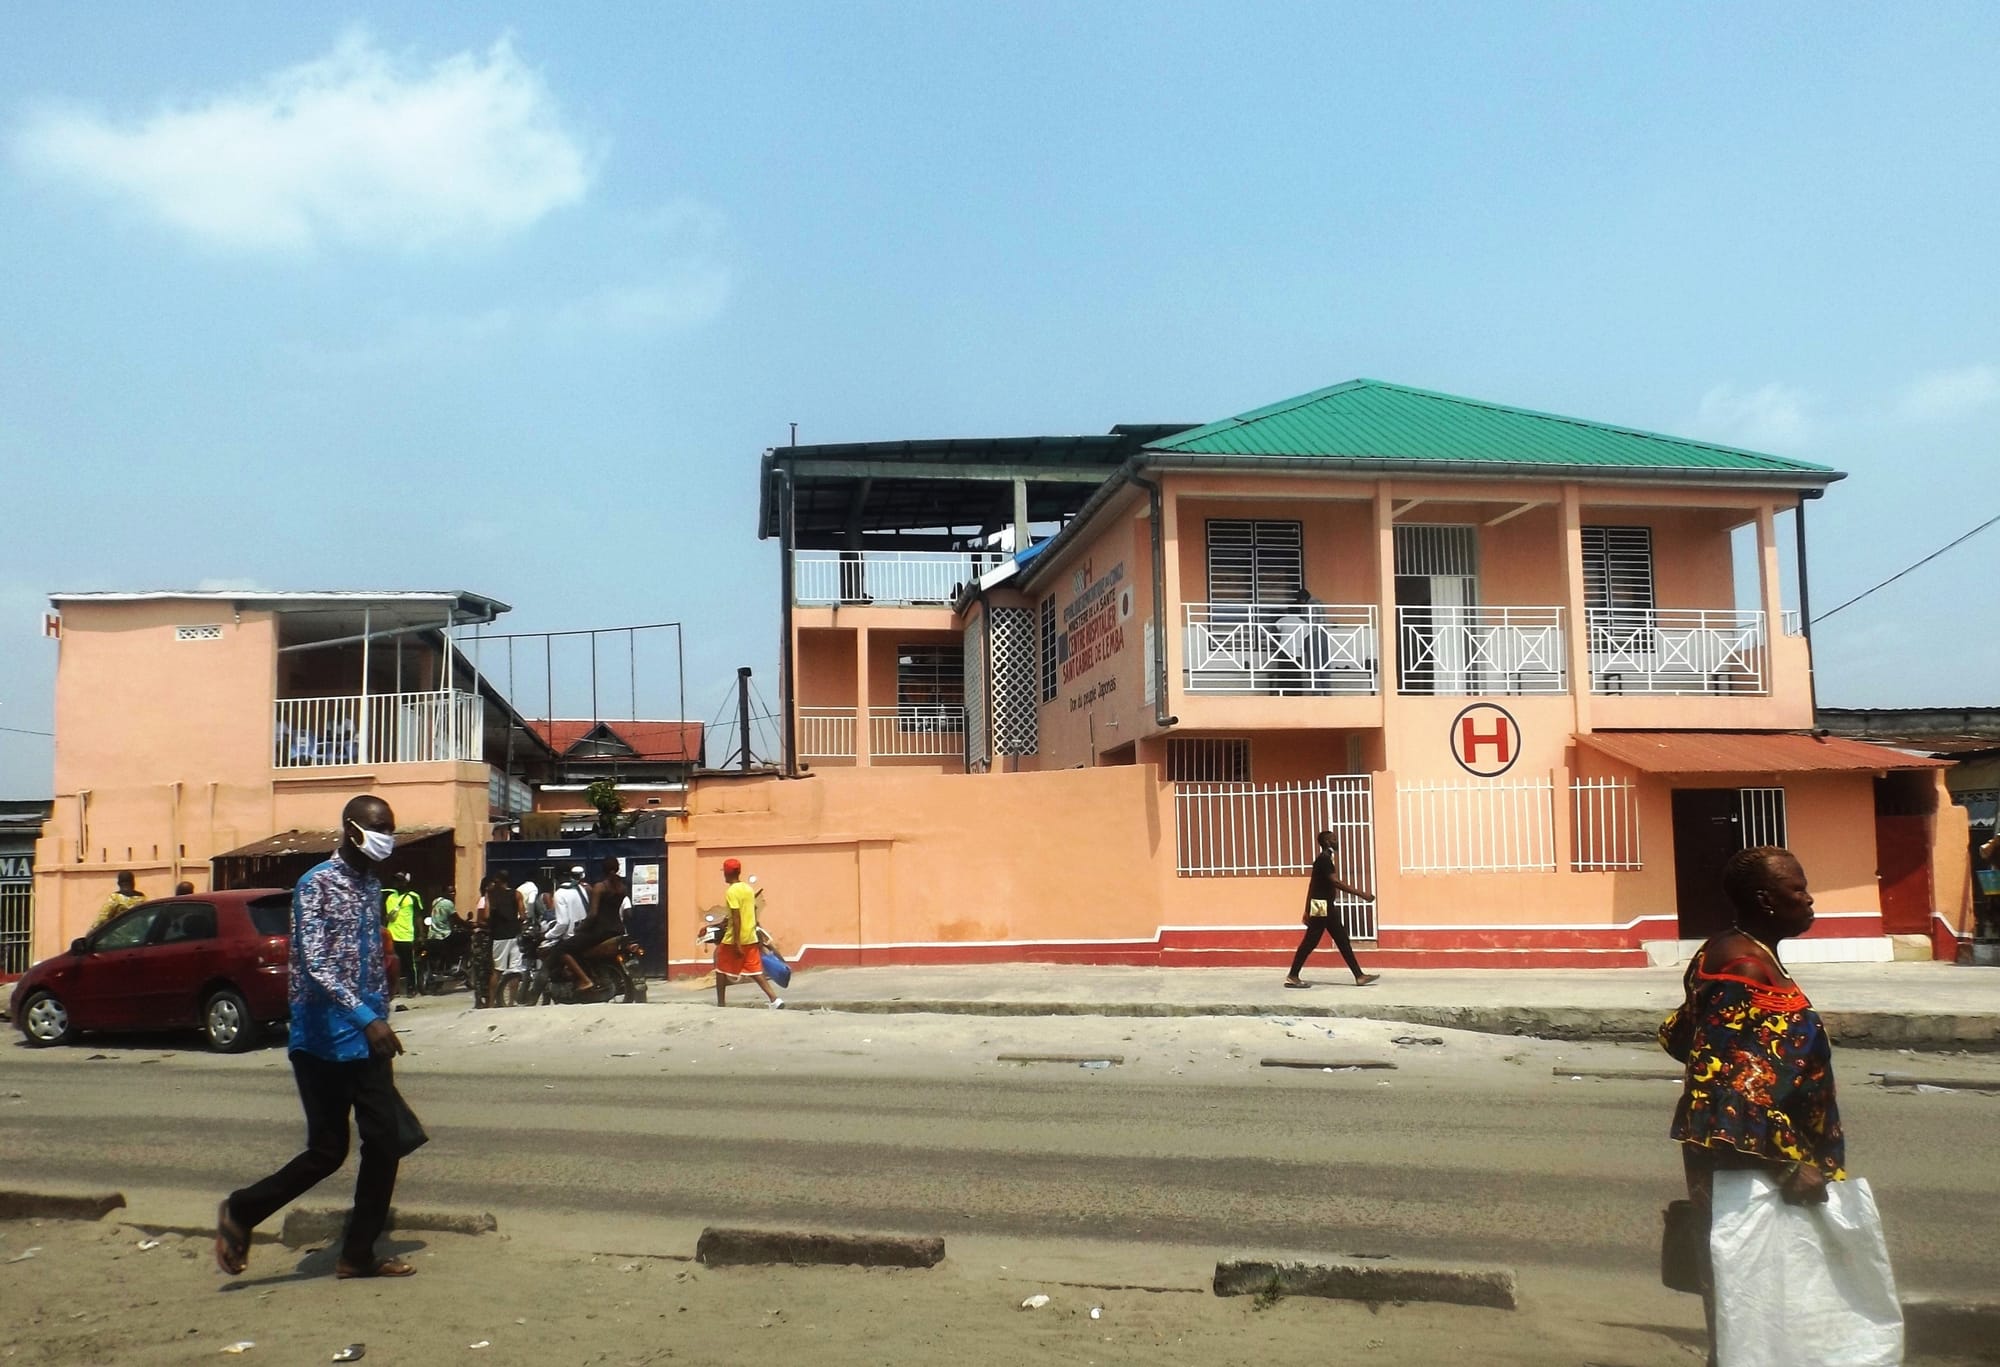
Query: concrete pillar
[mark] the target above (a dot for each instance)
(1174, 648)
(862, 723)
(1575, 616)
(1772, 597)
(1386, 626)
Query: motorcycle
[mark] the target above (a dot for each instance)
(616, 977)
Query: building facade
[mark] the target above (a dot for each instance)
(1539, 675)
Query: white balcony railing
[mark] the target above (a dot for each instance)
(893, 732)
(383, 728)
(1678, 650)
(1481, 650)
(885, 578)
(1311, 648)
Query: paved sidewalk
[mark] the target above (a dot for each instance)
(1894, 1005)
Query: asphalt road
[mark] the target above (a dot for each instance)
(1522, 1169)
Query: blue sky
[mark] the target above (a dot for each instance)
(511, 298)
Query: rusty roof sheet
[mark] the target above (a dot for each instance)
(1747, 752)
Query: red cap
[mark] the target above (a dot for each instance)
(732, 866)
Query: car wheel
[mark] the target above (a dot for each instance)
(226, 1021)
(45, 1021)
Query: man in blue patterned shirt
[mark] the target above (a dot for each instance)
(341, 1051)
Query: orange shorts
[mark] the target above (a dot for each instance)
(736, 962)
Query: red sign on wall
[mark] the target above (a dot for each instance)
(1485, 740)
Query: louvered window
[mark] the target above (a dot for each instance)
(1255, 562)
(1618, 569)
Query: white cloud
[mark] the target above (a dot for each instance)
(359, 147)
(1947, 394)
(685, 296)
(1772, 417)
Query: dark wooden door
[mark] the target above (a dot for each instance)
(1903, 871)
(1707, 831)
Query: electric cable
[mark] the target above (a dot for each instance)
(1989, 522)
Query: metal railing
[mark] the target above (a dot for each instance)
(1481, 650)
(1605, 829)
(885, 578)
(1271, 649)
(17, 928)
(1493, 826)
(382, 728)
(1263, 829)
(893, 732)
(1678, 650)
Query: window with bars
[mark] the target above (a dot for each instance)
(1762, 811)
(1255, 562)
(1048, 648)
(1434, 550)
(1618, 569)
(928, 678)
(1200, 759)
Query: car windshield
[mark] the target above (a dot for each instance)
(128, 930)
(272, 915)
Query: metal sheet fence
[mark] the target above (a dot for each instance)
(1605, 825)
(1497, 826)
(1261, 829)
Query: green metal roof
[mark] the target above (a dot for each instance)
(1371, 423)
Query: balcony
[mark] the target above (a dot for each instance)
(1308, 649)
(1679, 651)
(382, 728)
(885, 578)
(893, 732)
(1481, 651)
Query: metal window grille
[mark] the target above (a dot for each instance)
(978, 739)
(1605, 829)
(1437, 550)
(17, 928)
(1208, 760)
(204, 633)
(1264, 829)
(1618, 569)
(1015, 714)
(1049, 648)
(929, 676)
(1501, 826)
(1255, 562)
(1763, 816)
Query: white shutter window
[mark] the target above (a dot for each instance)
(1255, 561)
(1618, 569)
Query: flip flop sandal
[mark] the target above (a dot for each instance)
(1296, 985)
(387, 1267)
(232, 1242)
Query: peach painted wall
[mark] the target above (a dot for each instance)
(1338, 534)
(1101, 705)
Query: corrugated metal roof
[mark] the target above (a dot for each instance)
(1368, 420)
(667, 741)
(1746, 752)
(318, 842)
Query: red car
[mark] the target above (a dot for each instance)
(218, 961)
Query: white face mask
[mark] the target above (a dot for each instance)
(376, 845)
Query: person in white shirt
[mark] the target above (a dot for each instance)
(572, 904)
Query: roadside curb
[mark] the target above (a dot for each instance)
(760, 1247)
(1375, 1280)
(1979, 1032)
(312, 1225)
(44, 1205)
(1944, 1326)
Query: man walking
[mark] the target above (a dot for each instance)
(341, 1052)
(739, 953)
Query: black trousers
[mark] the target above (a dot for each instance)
(1318, 926)
(406, 965)
(328, 1092)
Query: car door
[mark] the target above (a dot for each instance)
(181, 956)
(107, 978)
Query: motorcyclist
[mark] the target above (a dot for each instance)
(595, 940)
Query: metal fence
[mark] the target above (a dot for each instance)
(1494, 826)
(885, 578)
(1604, 825)
(1481, 650)
(382, 728)
(917, 730)
(1307, 648)
(826, 732)
(17, 928)
(1762, 813)
(1677, 650)
(1251, 829)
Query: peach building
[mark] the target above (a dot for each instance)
(1541, 676)
(214, 737)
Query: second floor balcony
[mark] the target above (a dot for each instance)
(1307, 648)
(885, 578)
(383, 728)
(908, 731)
(1481, 651)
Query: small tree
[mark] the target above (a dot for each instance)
(603, 795)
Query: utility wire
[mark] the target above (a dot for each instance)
(18, 731)
(1989, 522)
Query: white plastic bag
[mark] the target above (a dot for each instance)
(1801, 1286)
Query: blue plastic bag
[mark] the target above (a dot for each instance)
(776, 969)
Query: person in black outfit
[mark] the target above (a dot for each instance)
(1322, 916)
